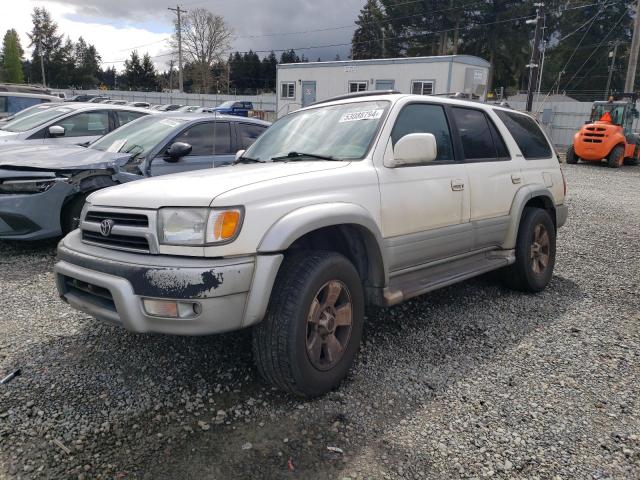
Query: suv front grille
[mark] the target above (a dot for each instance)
(129, 219)
(125, 229)
(127, 242)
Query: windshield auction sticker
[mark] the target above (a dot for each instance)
(366, 115)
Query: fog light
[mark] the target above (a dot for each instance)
(171, 308)
(161, 308)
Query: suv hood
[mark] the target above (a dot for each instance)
(199, 188)
(56, 157)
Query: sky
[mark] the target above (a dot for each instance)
(116, 27)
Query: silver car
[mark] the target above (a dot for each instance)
(68, 123)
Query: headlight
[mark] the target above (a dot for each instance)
(28, 186)
(198, 226)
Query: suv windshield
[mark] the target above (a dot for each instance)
(342, 132)
(139, 136)
(28, 122)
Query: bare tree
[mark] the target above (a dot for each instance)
(205, 39)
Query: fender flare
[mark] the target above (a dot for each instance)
(297, 223)
(523, 196)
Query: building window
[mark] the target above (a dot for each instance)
(422, 88)
(355, 87)
(288, 90)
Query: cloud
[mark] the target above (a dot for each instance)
(115, 26)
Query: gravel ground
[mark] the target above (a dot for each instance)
(471, 381)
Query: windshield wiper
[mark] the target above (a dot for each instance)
(247, 160)
(293, 156)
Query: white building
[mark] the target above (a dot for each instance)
(300, 84)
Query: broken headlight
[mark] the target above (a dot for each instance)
(28, 186)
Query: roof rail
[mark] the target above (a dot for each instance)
(369, 93)
(23, 88)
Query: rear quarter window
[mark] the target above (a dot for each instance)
(527, 133)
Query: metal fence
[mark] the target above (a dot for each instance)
(563, 119)
(266, 102)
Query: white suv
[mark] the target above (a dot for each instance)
(366, 199)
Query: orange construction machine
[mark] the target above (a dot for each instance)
(608, 135)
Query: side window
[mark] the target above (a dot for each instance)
(126, 116)
(475, 134)
(15, 104)
(3, 104)
(86, 124)
(425, 118)
(527, 134)
(422, 87)
(498, 141)
(200, 137)
(248, 134)
(223, 139)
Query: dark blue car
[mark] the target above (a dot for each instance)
(240, 109)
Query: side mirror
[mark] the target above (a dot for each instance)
(178, 150)
(239, 154)
(56, 131)
(414, 149)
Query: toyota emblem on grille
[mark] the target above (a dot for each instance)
(106, 226)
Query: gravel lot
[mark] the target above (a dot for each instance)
(472, 381)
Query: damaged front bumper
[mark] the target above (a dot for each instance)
(33, 216)
(111, 285)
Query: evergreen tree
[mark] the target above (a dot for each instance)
(44, 39)
(289, 56)
(148, 79)
(133, 71)
(368, 39)
(12, 58)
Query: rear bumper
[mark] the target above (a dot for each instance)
(111, 285)
(34, 216)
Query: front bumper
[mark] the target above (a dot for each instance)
(110, 285)
(33, 216)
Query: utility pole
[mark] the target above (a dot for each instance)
(535, 55)
(179, 11)
(611, 68)
(633, 54)
(44, 80)
(171, 64)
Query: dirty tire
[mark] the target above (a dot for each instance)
(280, 341)
(616, 157)
(571, 157)
(525, 275)
(70, 216)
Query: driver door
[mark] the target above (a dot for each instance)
(211, 147)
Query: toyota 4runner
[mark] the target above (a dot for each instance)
(365, 199)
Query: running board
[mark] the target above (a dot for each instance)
(406, 285)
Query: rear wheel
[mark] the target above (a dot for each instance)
(311, 333)
(70, 216)
(572, 158)
(616, 157)
(535, 252)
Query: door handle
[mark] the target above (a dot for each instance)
(457, 185)
(516, 179)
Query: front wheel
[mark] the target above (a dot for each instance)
(616, 157)
(70, 216)
(311, 333)
(535, 252)
(571, 157)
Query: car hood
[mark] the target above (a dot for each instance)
(6, 136)
(199, 188)
(56, 157)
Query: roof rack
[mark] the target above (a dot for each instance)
(369, 93)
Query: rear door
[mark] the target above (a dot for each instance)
(248, 133)
(211, 147)
(494, 176)
(125, 116)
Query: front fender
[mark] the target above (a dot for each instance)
(523, 196)
(307, 219)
